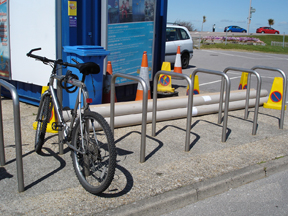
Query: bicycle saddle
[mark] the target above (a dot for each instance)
(88, 68)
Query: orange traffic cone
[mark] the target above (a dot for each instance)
(107, 84)
(178, 65)
(145, 75)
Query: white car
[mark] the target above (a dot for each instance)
(177, 35)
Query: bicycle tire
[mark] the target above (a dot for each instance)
(96, 168)
(45, 112)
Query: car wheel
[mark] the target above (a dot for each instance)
(185, 60)
(276, 32)
(229, 31)
(243, 31)
(262, 32)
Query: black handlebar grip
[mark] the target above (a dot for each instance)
(36, 49)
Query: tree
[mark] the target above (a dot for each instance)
(187, 24)
(271, 22)
(204, 20)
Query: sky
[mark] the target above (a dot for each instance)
(223, 13)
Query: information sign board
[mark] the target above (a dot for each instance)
(130, 33)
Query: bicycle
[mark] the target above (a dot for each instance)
(88, 135)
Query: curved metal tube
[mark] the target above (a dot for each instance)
(258, 89)
(228, 86)
(284, 89)
(144, 109)
(17, 132)
(189, 109)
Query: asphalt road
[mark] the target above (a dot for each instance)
(218, 60)
(268, 196)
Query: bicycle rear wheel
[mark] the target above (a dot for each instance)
(45, 112)
(96, 167)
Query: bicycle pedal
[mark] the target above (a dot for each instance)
(56, 127)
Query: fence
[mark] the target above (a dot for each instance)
(275, 43)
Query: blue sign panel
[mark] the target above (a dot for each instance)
(130, 33)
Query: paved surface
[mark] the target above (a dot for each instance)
(267, 196)
(170, 178)
(209, 168)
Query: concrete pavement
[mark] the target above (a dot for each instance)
(169, 178)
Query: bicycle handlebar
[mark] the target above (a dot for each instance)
(84, 68)
(46, 60)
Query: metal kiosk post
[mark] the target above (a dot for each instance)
(189, 109)
(228, 85)
(17, 131)
(247, 94)
(144, 109)
(284, 89)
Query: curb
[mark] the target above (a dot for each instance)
(178, 198)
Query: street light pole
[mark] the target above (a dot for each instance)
(249, 18)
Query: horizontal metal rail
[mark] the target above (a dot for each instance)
(247, 93)
(189, 109)
(144, 109)
(284, 89)
(228, 86)
(17, 132)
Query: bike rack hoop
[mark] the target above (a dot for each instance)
(247, 93)
(284, 89)
(144, 109)
(189, 108)
(17, 131)
(228, 86)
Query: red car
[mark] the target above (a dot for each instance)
(267, 30)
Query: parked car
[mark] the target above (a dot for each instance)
(177, 35)
(267, 30)
(234, 29)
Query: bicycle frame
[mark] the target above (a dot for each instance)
(82, 91)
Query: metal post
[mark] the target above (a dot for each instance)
(17, 131)
(144, 109)
(283, 39)
(60, 132)
(247, 93)
(2, 150)
(249, 18)
(18, 142)
(227, 96)
(189, 108)
(59, 69)
(284, 89)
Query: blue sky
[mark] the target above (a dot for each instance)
(230, 12)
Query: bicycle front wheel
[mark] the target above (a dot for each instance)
(45, 112)
(95, 161)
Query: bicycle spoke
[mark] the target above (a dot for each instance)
(95, 168)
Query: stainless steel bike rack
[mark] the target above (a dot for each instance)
(17, 131)
(227, 96)
(189, 108)
(284, 89)
(144, 109)
(247, 94)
